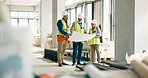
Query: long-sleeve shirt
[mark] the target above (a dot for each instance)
(60, 26)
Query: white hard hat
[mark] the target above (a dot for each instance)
(64, 13)
(80, 15)
(94, 21)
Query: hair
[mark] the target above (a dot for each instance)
(4, 14)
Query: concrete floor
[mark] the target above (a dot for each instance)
(44, 66)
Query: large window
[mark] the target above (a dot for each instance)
(89, 17)
(72, 16)
(24, 19)
(78, 10)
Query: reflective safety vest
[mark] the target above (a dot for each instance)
(79, 28)
(96, 39)
(65, 27)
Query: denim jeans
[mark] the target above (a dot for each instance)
(77, 46)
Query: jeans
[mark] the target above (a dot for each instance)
(79, 46)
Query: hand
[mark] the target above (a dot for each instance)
(85, 41)
(69, 34)
(97, 34)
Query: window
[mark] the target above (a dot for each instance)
(25, 19)
(89, 17)
(23, 22)
(72, 16)
(23, 14)
(32, 26)
(14, 22)
(31, 14)
(78, 10)
(14, 14)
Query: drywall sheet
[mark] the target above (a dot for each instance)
(78, 37)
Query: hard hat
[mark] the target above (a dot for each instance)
(94, 21)
(80, 15)
(64, 13)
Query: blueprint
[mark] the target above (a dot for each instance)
(78, 37)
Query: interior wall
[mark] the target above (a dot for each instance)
(141, 25)
(46, 19)
(124, 28)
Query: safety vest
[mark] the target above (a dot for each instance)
(95, 40)
(79, 28)
(65, 27)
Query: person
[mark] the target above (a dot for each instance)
(62, 37)
(78, 26)
(94, 43)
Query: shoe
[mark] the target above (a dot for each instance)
(79, 64)
(60, 65)
(64, 63)
(73, 64)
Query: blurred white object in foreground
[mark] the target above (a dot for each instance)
(137, 56)
(15, 55)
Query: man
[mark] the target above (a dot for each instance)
(62, 38)
(78, 26)
(94, 43)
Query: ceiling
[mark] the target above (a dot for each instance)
(21, 2)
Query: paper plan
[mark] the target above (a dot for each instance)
(78, 37)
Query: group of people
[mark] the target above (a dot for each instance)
(78, 26)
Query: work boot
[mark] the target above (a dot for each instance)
(79, 64)
(64, 63)
(60, 65)
(73, 64)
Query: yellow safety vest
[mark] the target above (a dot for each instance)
(95, 40)
(79, 28)
(65, 27)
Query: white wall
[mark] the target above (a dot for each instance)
(141, 25)
(46, 19)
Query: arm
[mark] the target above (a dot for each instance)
(60, 27)
(98, 31)
(72, 27)
(85, 29)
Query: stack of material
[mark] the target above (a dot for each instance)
(86, 46)
(48, 42)
(107, 50)
(36, 40)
